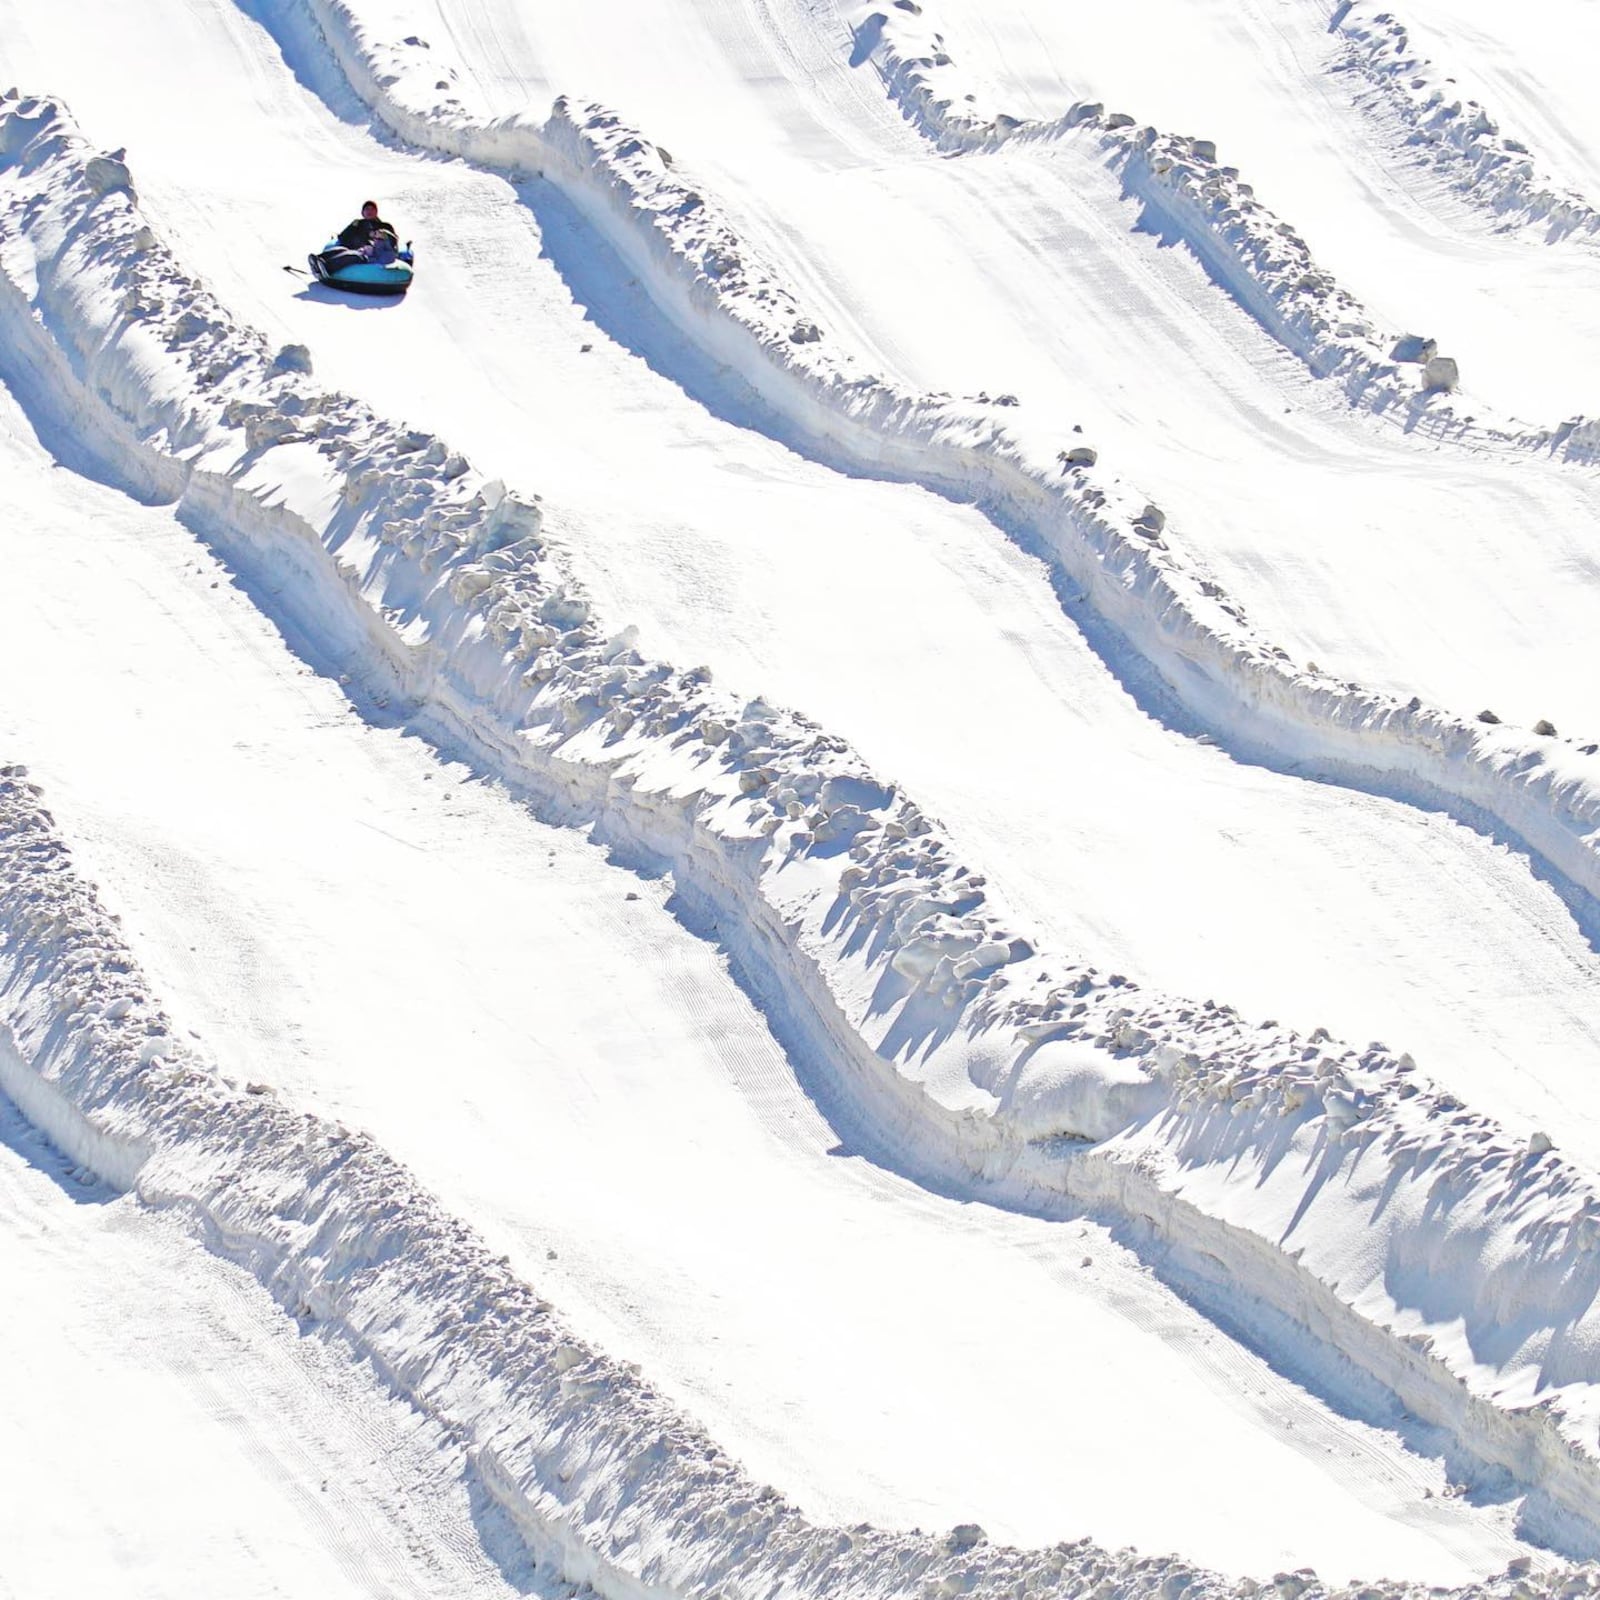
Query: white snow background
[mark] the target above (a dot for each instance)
(888, 820)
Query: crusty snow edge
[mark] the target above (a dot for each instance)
(972, 1057)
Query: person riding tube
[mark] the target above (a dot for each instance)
(367, 238)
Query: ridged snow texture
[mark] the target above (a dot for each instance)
(932, 1017)
(1456, 138)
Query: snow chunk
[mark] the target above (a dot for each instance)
(292, 358)
(1413, 347)
(107, 173)
(564, 610)
(1440, 373)
(1070, 1089)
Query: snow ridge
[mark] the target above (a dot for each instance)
(1457, 138)
(938, 1026)
(602, 1478)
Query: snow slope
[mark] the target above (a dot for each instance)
(904, 985)
(1457, 136)
(602, 1481)
(757, 593)
(1167, 378)
(460, 537)
(1022, 758)
(1530, 66)
(1289, 95)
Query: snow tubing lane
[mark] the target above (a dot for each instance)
(495, 567)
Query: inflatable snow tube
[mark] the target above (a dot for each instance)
(362, 277)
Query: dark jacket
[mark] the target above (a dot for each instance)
(359, 234)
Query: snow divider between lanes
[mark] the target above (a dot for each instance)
(602, 1479)
(970, 1056)
(1257, 259)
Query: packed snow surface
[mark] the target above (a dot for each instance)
(899, 565)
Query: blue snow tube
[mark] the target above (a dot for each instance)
(364, 277)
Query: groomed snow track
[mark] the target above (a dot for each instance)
(1040, 1080)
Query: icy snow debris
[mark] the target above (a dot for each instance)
(292, 358)
(1414, 347)
(106, 173)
